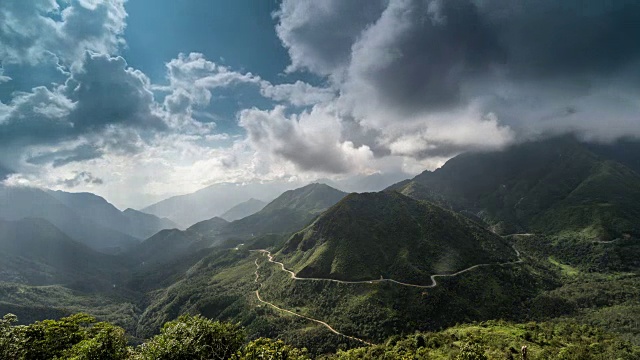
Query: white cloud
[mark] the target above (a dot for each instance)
(310, 140)
(298, 93)
(32, 30)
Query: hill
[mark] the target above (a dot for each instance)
(100, 211)
(168, 245)
(552, 186)
(244, 209)
(186, 210)
(19, 202)
(289, 212)
(35, 252)
(372, 235)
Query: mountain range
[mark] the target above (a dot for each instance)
(287, 213)
(85, 217)
(364, 264)
(556, 186)
(35, 252)
(221, 199)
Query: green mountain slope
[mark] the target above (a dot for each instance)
(550, 186)
(289, 212)
(373, 235)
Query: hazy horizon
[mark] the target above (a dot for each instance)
(139, 101)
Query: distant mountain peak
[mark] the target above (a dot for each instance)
(244, 209)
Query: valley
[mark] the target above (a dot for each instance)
(327, 271)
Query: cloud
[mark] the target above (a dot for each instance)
(319, 34)
(310, 140)
(63, 157)
(3, 78)
(101, 92)
(192, 78)
(81, 178)
(32, 30)
(297, 94)
(433, 78)
(103, 107)
(107, 92)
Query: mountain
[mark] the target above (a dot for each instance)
(386, 234)
(35, 252)
(19, 202)
(624, 151)
(168, 245)
(211, 227)
(244, 209)
(97, 209)
(289, 212)
(556, 186)
(143, 225)
(218, 199)
(214, 200)
(366, 183)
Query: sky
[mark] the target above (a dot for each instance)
(141, 100)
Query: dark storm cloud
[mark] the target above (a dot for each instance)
(319, 34)
(100, 93)
(432, 78)
(437, 45)
(360, 136)
(107, 92)
(419, 53)
(556, 38)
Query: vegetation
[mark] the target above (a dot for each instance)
(501, 340)
(573, 212)
(80, 337)
(366, 236)
(555, 187)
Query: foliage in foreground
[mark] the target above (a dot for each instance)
(80, 337)
(502, 340)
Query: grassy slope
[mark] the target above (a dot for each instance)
(369, 235)
(289, 212)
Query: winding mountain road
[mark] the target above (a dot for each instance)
(294, 277)
(433, 284)
(301, 316)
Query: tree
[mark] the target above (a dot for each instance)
(48, 339)
(106, 342)
(268, 349)
(193, 337)
(471, 351)
(10, 339)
